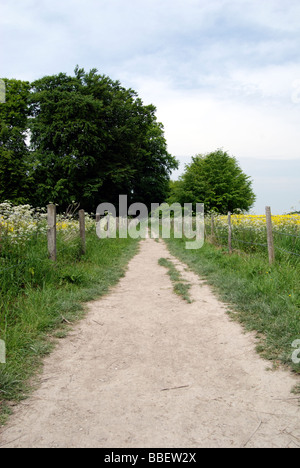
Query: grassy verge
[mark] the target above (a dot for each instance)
(264, 299)
(38, 300)
(181, 287)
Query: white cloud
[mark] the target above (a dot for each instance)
(199, 122)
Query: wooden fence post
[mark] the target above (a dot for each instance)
(82, 231)
(229, 233)
(270, 235)
(51, 209)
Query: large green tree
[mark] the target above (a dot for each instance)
(14, 179)
(92, 140)
(216, 180)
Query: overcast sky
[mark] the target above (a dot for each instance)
(222, 73)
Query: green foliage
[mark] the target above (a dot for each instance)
(216, 180)
(90, 141)
(94, 140)
(14, 181)
(176, 194)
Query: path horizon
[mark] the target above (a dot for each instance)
(145, 369)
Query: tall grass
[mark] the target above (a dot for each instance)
(249, 234)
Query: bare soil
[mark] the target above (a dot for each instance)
(147, 369)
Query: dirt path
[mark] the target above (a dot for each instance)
(146, 369)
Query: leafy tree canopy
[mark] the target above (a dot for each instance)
(92, 140)
(216, 180)
(14, 180)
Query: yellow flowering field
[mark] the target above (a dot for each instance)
(280, 222)
(249, 232)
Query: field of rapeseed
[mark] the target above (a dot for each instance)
(290, 223)
(250, 233)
